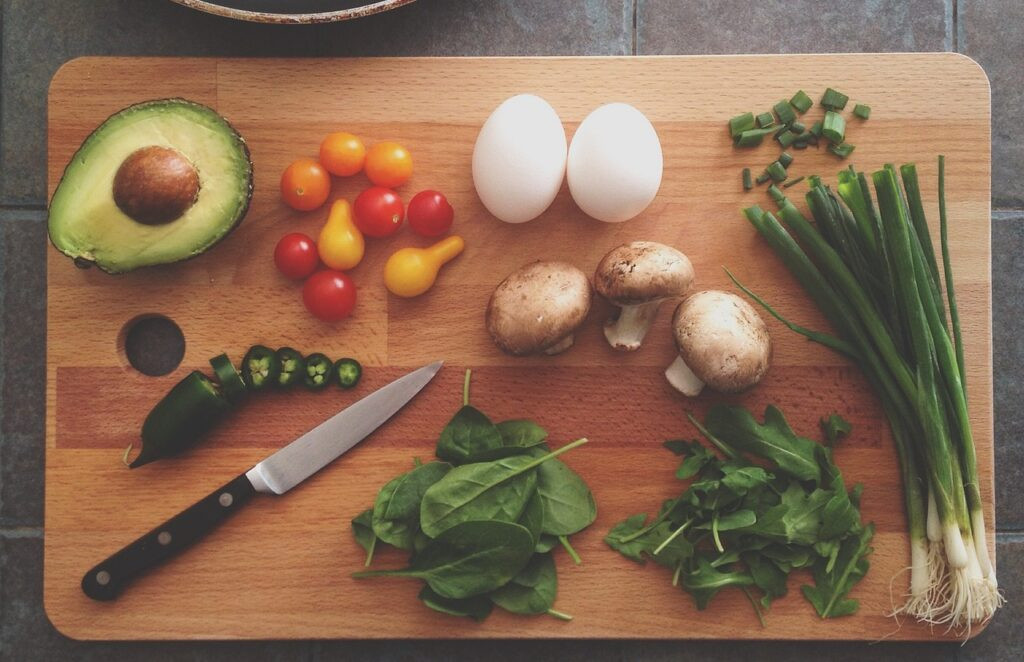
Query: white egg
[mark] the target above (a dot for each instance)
(615, 163)
(519, 159)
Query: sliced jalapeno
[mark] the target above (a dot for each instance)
(319, 370)
(260, 367)
(231, 383)
(293, 367)
(181, 418)
(347, 371)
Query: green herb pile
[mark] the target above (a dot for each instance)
(775, 503)
(784, 123)
(482, 522)
(872, 271)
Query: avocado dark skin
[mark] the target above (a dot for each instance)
(109, 221)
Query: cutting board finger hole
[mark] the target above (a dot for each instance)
(152, 344)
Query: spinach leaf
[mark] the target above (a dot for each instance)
(495, 490)
(469, 559)
(774, 441)
(568, 503)
(396, 512)
(533, 517)
(833, 584)
(468, 433)
(546, 543)
(478, 607)
(521, 433)
(362, 529)
(835, 427)
(533, 590)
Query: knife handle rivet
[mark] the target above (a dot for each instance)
(102, 577)
(164, 538)
(226, 499)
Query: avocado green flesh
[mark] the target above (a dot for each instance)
(86, 223)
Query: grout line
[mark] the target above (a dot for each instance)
(1010, 536)
(949, 15)
(1007, 214)
(636, 11)
(957, 31)
(32, 206)
(21, 532)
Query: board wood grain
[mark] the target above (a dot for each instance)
(281, 568)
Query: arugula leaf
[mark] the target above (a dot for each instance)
(705, 581)
(362, 530)
(620, 538)
(468, 433)
(767, 576)
(797, 519)
(774, 441)
(832, 585)
(835, 427)
(695, 457)
(478, 607)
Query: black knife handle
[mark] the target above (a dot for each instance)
(105, 581)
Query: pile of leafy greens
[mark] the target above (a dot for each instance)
(775, 503)
(482, 521)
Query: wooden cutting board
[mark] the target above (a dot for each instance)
(280, 568)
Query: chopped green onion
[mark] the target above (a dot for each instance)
(785, 159)
(816, 128)
(833, 127)
(776, 171)
(748, 182)
(784, 112)
(833, 100)
(786, 138)
(777, 195)
(765, 119)
(762, 178)
(741, 123)
(797, 127)
(753, 137)
(841, 150)
(801, 102)
(800, 144)
(862, 111)
(793, 182)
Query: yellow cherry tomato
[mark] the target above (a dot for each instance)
(410, 272)
(341, 244)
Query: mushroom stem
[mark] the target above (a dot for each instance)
(560, 346)
(628, 331)
(682, 378)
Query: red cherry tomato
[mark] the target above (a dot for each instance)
(296, 256)
(378, 212)
(330, 295)
(430, 214)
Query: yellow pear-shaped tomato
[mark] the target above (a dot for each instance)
(410, 272)
(341, 244)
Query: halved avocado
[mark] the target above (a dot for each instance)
(157, 182)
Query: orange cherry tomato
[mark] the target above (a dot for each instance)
(342, 154)
(305, 185)
(388, 164)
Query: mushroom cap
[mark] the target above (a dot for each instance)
(723, 340)
(537, 306)
(643, 271)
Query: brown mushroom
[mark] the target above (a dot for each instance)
(637, 277)
(722, 342)
(538, 307)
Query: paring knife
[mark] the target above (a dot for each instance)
(274, 475)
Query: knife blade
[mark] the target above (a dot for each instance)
(276, 474)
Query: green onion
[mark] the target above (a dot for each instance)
(833, 127)
(748, 182)
(765, 119)
(862, 111)
(816, 128)
(762, 178)
(786, 138)
(842, 150)
(776, 171)
(797, 127)
(801, 102)
(784, 112)
(785, 159)
(740, 123)
(793, 182)
(777, 195)
(753, 137)
(833, 100)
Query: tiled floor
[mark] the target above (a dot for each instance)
(39, 35)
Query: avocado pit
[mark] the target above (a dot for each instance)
(155, 185)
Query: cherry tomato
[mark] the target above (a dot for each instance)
(342, 154)
(388, 164)
(330, 295)
(430, 214)
(378, 212)
(296, 256)
(305, 185)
